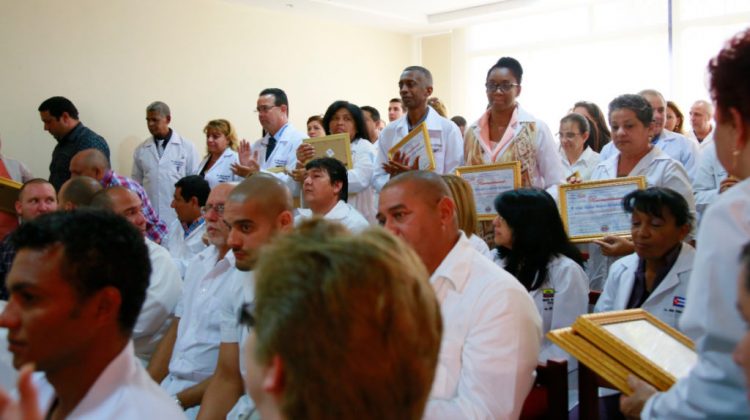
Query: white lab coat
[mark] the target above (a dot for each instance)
(158, 175)
(221, 171)
(123, 390)
(660, 170)
(16, 169)
(561, 299)
(715, 387)
(481, 246)
(675, 145)
(284, 155)
(183, 249)
(164, 290)
(491, 338)
(343, 213)
(445, 137)
(666, 302)
(584, 165)
(708, 177)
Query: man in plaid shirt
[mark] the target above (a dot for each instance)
(93, 163)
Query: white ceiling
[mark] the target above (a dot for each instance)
(406, 16)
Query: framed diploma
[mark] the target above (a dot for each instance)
(487, 181)
(416, 144)
(9, 190)
(335, 146)
(592, 210)
(615, 344)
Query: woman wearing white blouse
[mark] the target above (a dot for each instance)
(575, 152)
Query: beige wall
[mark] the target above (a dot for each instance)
(205, 58)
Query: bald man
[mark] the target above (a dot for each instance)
(186, 358)
(165, 283)
(257, 210)
(77, 192)
(700, 119)
(93, 163)
(491, 328)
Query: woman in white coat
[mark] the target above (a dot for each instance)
(221, 145)
(630, 118)
(345, 117)
(533, 246)
(656, 276)
(575, 151)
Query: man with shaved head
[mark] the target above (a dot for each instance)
(165, 284)
(186, 358)
(491, 328)
(93, 163)
(77, 192)
(256, 211)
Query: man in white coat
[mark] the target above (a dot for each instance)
(491, 329)
(700, 121)
(185, 234)
(163, 159)
(165, 285)
(325, 190)
(415, 87)
(72, 318)
(186, 358)
(277, 149)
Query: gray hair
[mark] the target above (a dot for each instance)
(160, 107)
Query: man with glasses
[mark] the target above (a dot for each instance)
(186, 358)
(185, 234)
(256, 211)
(415, 86)
(277, 149)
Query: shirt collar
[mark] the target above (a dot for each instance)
(456, 266)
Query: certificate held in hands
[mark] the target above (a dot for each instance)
(335, 146)
(416, 144)
(593, 210)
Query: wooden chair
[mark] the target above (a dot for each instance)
(548, 398)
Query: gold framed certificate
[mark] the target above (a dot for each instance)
(592, 210)
(416, 144)
(335, 146)
(9, 190)
(618, 343)
(487, 181)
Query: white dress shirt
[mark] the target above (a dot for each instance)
(445, 137)
(164, 290)
(342, 213)
(666, 301)
(491, 338)
(715, 387)
(181, 248)
(123, 390)
(158, 175)
(196, 349)
(660, 170)
(584, 165)
(221, 171)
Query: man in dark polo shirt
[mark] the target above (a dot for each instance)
(60, 118)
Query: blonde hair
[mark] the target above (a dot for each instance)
(224, 127)
(463, 196)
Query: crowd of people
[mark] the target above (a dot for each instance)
(256, 283)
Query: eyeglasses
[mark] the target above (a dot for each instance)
(504, 87)
(219, 209)
(264, 108)
(246, 317)
(567, 136)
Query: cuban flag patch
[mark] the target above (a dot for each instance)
(678, 302)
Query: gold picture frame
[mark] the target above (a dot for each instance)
(9, 190)
(615, 344)
(487, 181)
(337, 146)
(597, 208)
(416, 143)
